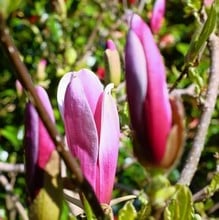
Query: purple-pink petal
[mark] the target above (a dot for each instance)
(157, 106)
(92, 87)
(208, 3)
(108, 145)
(157, 15)
(80, 127)
(136, 80)
(38, 144)
(92, 128)
(63, 83)
(31, 144)
(46, 144)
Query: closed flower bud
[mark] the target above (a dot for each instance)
(92, 128)
(42, 164)
(151, 111)
(113, 66)
(157, 15)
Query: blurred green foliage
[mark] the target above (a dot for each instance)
(69, 35)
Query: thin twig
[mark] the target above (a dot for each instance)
(200, 195)
(19, 207)
(27, 83)
(214, 208)
(211, 96)
(8, 167)
(182, 74)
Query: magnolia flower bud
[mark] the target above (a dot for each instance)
(157, 15)
(92, 128)
(151, 111)
(112, 60)
(42, 164)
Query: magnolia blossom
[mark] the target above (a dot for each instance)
(149, 104)
(38, 144)
(157, 15)
(42, 164)
(92, 128)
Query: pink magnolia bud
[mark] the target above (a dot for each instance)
(41, 67)
(208, 3)
(113, 66)
(157, 15)
(150, 108)
(38, 144)
(92, 128)
(110, 45)
(42, 164)
(19, 87)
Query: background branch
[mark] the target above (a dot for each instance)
(209, 105)
(13, 199)
(8, 167)
(27, 83)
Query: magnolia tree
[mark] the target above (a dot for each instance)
(112, 111)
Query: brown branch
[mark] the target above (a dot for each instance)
(209, 105)
(200, 195)
(27, 83)
(8, 167)
(182, 74)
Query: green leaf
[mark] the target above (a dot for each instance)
(87, 208)
(145, 210)
(65, 212)
(199, 40)
(180, 207)
(8, 6)
(213, 186)
(10, 133)
(127, 212)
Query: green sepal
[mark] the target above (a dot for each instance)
(48, 203)
(113, 67)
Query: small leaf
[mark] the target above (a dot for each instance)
(213, 186)
(87, 208)
(145, 210)
(180, 207)
(199, 41)
(10, 133)
(127, 212)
